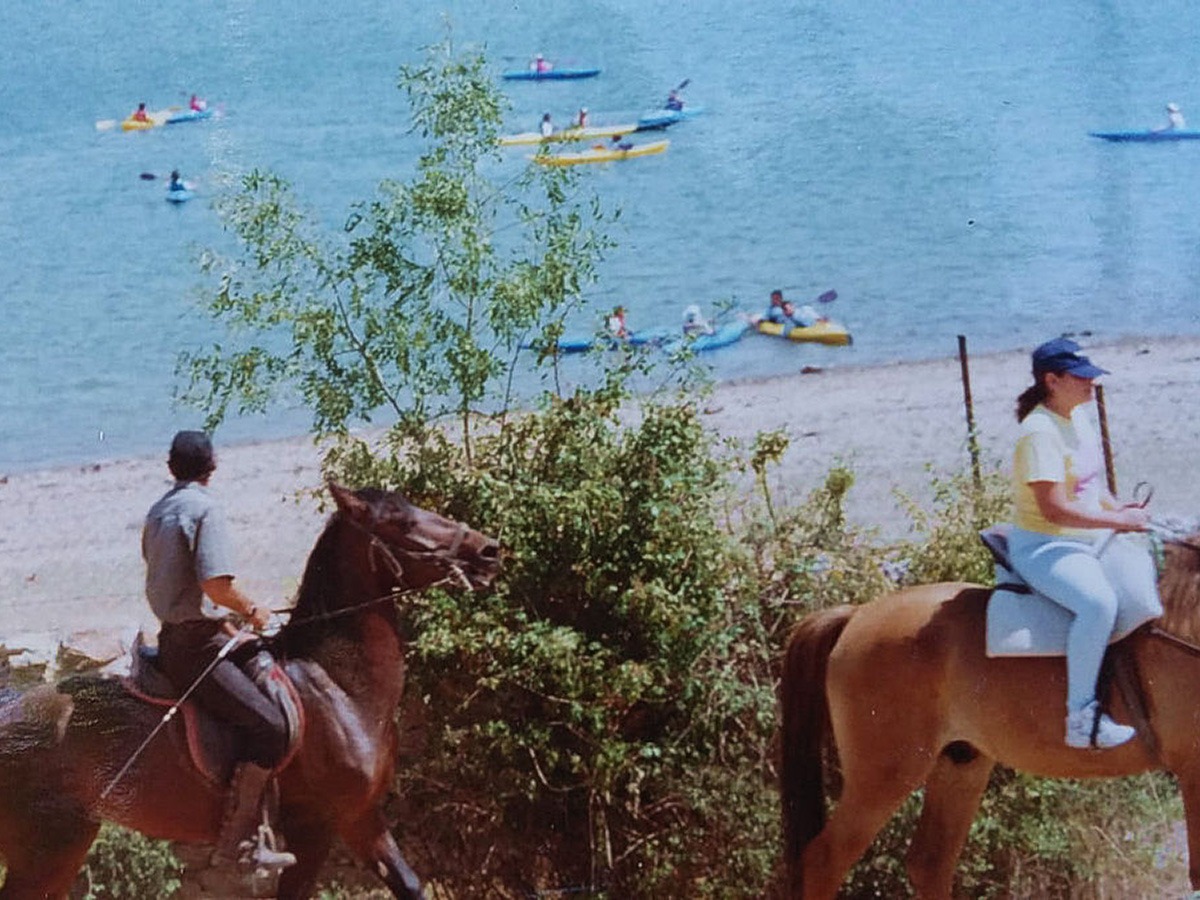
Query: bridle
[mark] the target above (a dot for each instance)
(379, 554)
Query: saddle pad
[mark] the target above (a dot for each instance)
(1031, 625)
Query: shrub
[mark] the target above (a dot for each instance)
(124, 863)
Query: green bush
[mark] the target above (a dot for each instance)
(124, 863)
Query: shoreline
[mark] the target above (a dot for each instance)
(69, 537)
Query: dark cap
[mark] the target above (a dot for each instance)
(1062, 355)
(191, 457)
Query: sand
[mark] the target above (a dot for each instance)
(69, 537)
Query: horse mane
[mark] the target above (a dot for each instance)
(321, 589)
(1179, 585)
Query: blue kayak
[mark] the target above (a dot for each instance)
(661, 118)
(729, 333)
(1146, 136)
(665, 336)
(179, 196)
(550, 75)
(188, 115)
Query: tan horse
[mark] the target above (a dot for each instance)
(904, 689)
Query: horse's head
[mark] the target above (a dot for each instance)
(410, 547)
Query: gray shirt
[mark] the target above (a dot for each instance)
(184, 542)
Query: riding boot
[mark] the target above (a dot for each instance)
(246, 837)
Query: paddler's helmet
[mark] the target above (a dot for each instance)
(1172, 107)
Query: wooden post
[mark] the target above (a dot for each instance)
(1109, 472)
(972, 434)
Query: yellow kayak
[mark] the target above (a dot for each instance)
(153, 119)
(825, 331)
(597, 154)
(526, 138)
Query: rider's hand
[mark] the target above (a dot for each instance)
(258, 617)
(1132, 518)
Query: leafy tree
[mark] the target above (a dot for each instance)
(418, 308)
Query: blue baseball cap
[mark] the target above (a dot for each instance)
(1063, 355)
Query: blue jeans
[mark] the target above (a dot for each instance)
(1068, 571)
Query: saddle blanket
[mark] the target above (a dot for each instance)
(1029, 624)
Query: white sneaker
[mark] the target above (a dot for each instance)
(1090, 728)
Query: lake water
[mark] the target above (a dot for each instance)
(931, 163)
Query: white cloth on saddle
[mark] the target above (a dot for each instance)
(1033, 625)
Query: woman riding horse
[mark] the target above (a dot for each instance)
(905, 691)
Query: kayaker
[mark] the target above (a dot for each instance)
(785, 313)
(176, 183)
(802, 317)
(775, 311)
(581, 120)
(1175, 120)
(540, 64)
(618, 144)
(139, 114)
(616, 323)
(547, 127)
(694, 321)
(196, 104)
(674, 101)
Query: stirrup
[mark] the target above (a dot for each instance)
(261, 852)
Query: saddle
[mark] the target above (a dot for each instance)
(1022, 622)
(211, 743)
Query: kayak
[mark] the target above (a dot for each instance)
(825, 331)
(550, 74)
(580, 343)
(1147, 136)
(729, 333)
(665, 336)
(188, 115)
(153, 119)
(180, 196)
(661, 118)
(566, 134)
(596, 155)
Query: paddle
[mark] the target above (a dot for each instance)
(827, 297)
(150, 176)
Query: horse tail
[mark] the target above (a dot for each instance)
(806, 727)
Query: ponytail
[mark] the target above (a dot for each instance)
(1030, 397)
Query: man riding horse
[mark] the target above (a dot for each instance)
(190, 586)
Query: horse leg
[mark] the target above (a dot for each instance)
(310, 842)
(373, 843)
(1189, 789)
(952, 794)
(869, 798)
(48, 860)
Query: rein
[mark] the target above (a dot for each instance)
(446, 556)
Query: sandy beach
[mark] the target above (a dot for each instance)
(69, 537)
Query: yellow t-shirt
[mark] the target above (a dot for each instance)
(1052, 448)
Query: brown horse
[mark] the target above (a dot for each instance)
(904, 689)
(342, 647)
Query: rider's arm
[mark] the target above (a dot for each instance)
(222, 591)
(1056, 507)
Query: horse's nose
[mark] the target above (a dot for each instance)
(490, 551)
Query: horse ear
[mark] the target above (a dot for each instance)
(347, 501)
